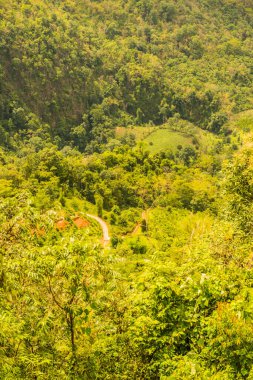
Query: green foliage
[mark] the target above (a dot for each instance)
(239, 189)
(141, 62)
(170, 298)
(123, 109)
(99, 204)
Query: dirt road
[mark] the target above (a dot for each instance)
(106, 237)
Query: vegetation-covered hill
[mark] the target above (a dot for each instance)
(139, 112)
(83, 68)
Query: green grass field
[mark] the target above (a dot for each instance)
(164, 139)
(170, 135)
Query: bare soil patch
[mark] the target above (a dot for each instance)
(80, 222)
(61, 224)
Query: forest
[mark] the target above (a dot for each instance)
(136, 115)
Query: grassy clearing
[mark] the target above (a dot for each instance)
(167, 137)
(164, 139)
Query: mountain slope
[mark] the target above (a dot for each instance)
(84, 68)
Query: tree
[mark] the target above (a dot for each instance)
(99, 204)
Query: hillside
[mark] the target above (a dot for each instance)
(126, 213)
(71, 71)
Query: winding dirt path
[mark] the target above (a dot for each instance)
(106, 236)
